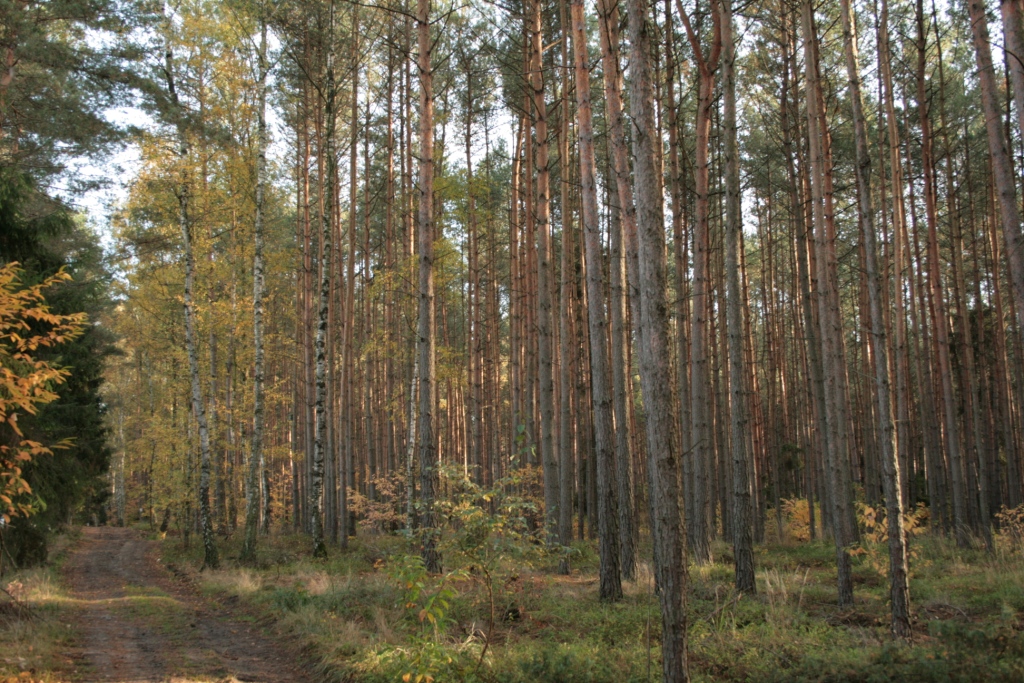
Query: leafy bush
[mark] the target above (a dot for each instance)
(1011, 525)
(875, 536)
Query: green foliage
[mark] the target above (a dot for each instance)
(486, 537)
(45, 238)
(74, 60)
(562, 664)
(426, 597)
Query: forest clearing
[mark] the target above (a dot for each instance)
(540, 340)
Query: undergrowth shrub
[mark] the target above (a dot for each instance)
(875, 537)
(797, 513)
(796, 516)
(566, 664)
(486, 537)
(384, 511)
(1011, 527)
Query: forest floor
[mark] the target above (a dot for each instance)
(369, 614)
(113, 612)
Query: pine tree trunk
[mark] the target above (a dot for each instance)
(566, 336)
(702, 439)
(816, 380)
(743, 545)
(978, 491)
(1013, 33)
(542, 214)
(346, 404)
(833, 451)
(680, 236)
(654, 354)
(607, 519)
(899, 592)
(426, 328)
(624, 274)
(608, 23)
(898, 218)
(623, 447)
(939, 317)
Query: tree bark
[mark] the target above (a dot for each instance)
(252, 488)
(567, 430)
(607, 514)
(542, 214)
(623, 276)
(211, 559)
(702, 441)
(899, 591)
(939, 317)
(833, 451)
(316, 493)
(1013, 32)
(654, 353)
(426, 328)
(743, 544)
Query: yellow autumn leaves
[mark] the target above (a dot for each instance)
(26, 325)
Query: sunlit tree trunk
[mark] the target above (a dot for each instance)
(426, 327)
(567, 429)
(542, 215)
(623, 275)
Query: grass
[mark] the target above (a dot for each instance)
(369, 615)
(353, 614)
(32, 640)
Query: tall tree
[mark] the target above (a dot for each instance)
(998, 146)
(835, 426)
(542, 216)
(700, 390)
(938, 302)
(211, 558)
(607, 512)
(624, 273)
(742, 514)
(321, 406)
(426, 326)
(899, 592)
(252, 488)
(654, 353)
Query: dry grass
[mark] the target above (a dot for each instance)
(33, 634)
(349, 612)
(233, 581)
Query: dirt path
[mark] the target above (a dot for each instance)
(138, 623)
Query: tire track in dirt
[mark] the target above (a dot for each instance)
(138, 624)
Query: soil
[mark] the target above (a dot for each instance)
(138, 622)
